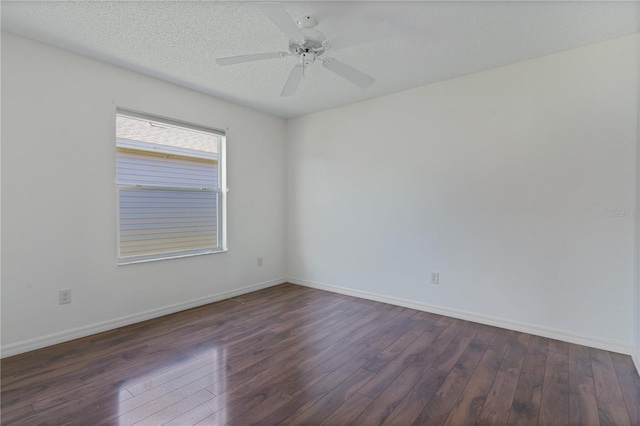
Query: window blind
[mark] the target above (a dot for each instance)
(166, 221)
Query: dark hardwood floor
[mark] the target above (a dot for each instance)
(293, 355)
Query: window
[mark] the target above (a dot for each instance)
(169, 176)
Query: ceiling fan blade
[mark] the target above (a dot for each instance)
(347, 72)
(366, 35)
(232, 60)
(293, 81)
(279, 16)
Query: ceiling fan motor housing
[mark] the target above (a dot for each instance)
(314, 41)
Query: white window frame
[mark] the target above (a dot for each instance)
(221, 190)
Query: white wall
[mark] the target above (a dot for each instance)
(636, 322)
(499, 181)
(59, 205)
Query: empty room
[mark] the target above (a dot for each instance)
(301, 212)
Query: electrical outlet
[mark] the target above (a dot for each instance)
(259, 260)
(64, 296)
(435, 278)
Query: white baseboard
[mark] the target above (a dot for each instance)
(537, 330)
(635, 356)
(76, 333)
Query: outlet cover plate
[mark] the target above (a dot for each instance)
(64, 296)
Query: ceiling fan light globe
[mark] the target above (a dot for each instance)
(313, 37)
(307, 22)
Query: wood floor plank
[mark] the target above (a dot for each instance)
(389, 373)
(525, 408)
(348, 411)
(408, 408)
(497, 406)
(583, 406)
(437, 356)
(319, 411)
(629, 383)
(403, 342)
(194, 390)
(612, 408)
(208, 410)
(160, 417)
(432, 398)
(190, 383)
(469, 404)
(197, 367)
(16, 414)
(294, 355)
(554, 405)
(437, 410)
(558, 346)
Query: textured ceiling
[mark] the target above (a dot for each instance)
(177, 41)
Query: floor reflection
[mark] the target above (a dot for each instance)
(183, 393)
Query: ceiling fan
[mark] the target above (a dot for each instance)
(310, 45)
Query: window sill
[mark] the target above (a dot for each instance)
(121, 262)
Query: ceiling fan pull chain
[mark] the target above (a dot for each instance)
(304, 64)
